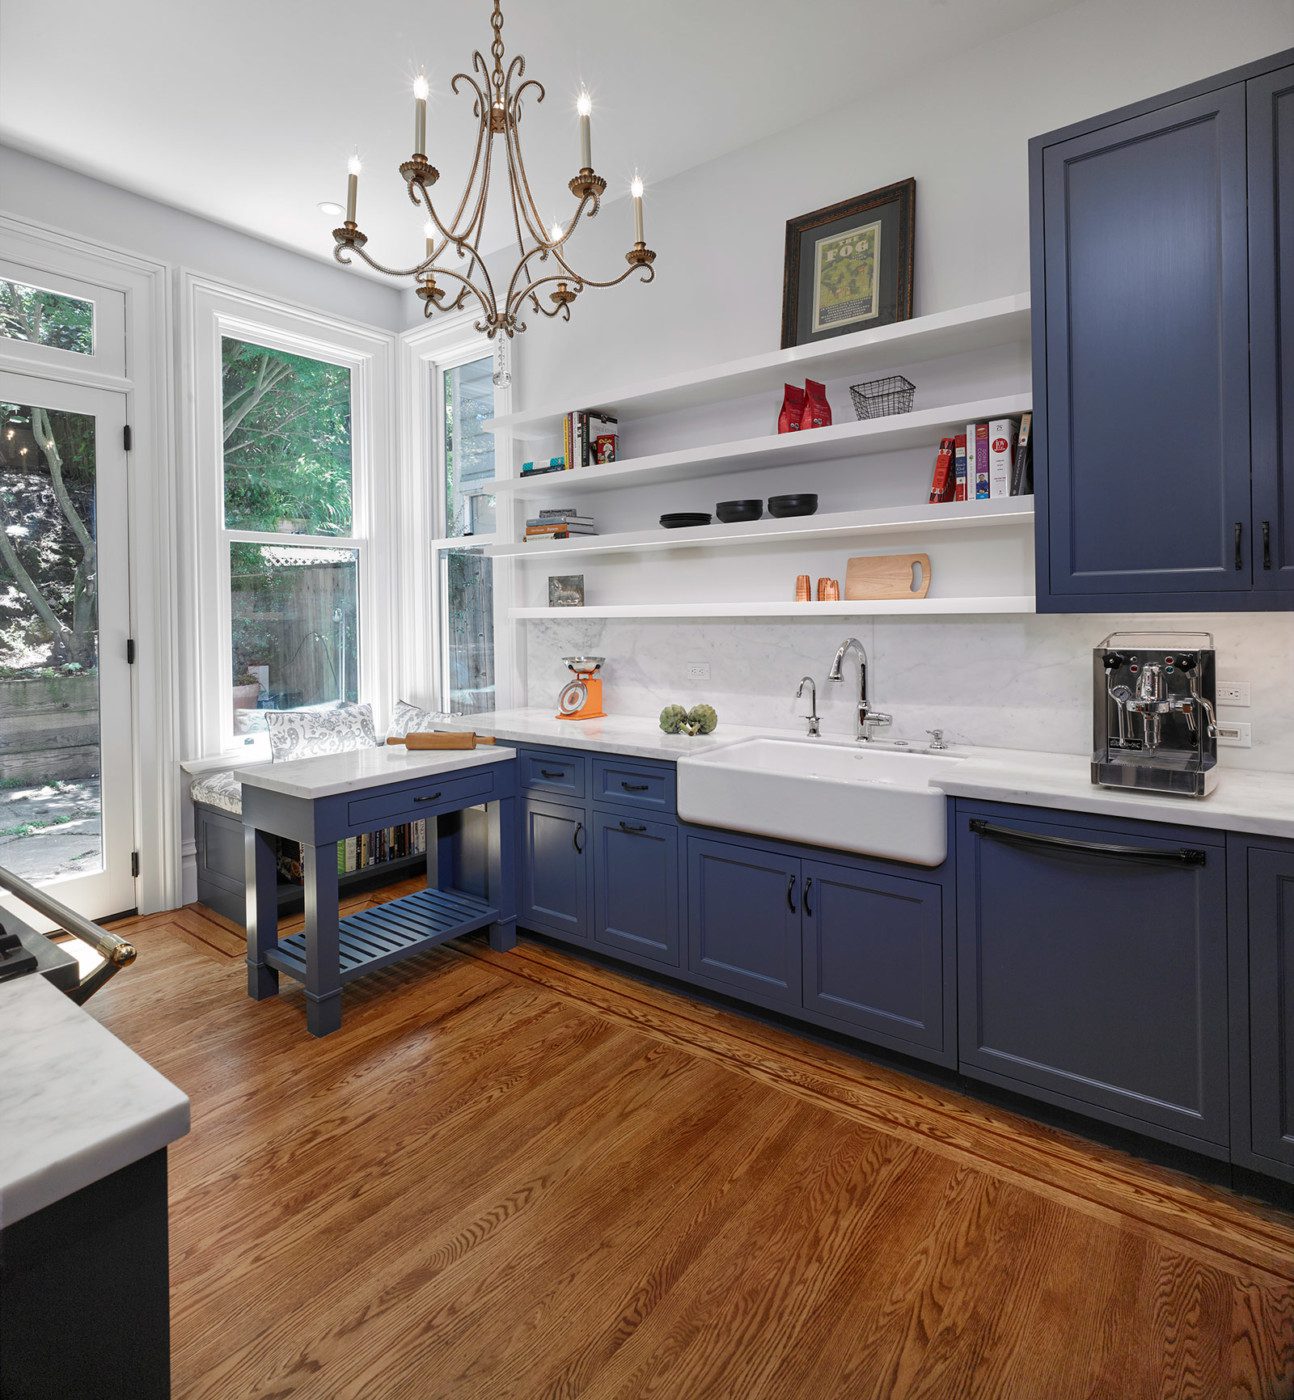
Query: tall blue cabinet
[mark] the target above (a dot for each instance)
(1162, 243)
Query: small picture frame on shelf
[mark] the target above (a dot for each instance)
(849, 265)
(565, 590)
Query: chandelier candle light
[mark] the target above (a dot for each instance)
(497, 89)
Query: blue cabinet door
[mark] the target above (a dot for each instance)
(874, 954)
(1141, 368)
(554, 870)
(1093, 967)
(635, 884)
(744, 918)
(1271, 323)
(1263, 948)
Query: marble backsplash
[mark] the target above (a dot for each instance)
(1001, 681)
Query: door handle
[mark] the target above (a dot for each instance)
(1010, 836)
(790, 894)
(575, 839)
(1267, 544)
(431, 798)
(1240, 534)
(635, 787)
(808, 890)
(633, 828)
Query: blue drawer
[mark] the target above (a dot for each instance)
(408, 804)
(560, 773)
(627, 784)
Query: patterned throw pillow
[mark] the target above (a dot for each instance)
(412, 719)
(309, 733)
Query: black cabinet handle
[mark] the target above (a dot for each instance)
(790, 893)
(1184, 855)
(550, 773)
(431, 798)
(1267, 544)
(633, 828)
(575, 839)
(635, 787)
(808, 890)
(1240, 534)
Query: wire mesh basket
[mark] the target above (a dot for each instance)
(878, 398)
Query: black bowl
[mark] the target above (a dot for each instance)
(730, 512)
(680, 520)
(803, 504)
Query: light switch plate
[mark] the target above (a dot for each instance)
(1235, 735)
(697, 671)
(1233, 693)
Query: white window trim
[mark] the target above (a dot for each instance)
(144, 374)
(425, 353)
(210, 311)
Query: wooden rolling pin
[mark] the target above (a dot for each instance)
(422, 740)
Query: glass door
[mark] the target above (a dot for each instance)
(66, 735)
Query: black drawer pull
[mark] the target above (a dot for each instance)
(1267, 544)
(790, 894)
(552, 773)
(575, 839)
(808, 890)
(635, 787)
(633, 828)
(1240, 534)
(1184, 855)
(431, 798)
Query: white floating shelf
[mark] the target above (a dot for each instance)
(920, 429)
(896, 607)
(962, 515)
(990, 323)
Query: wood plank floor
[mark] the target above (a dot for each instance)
(515, 1175)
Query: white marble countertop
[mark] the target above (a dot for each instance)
(1244, 800)
(631, 735)
(332, 773)
(75, 1103)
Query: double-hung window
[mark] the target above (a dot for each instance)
(292, 414)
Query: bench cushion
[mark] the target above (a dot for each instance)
(220, 790)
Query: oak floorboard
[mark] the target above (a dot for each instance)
(523, 1175)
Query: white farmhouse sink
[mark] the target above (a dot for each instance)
(848, 797)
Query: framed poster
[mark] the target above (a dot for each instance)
(849, 266)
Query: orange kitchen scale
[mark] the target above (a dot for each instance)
(582, 697)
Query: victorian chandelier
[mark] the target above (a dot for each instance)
(543, 276)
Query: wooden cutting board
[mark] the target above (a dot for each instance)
(872, 576)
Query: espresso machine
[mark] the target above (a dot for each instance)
(1154, 724)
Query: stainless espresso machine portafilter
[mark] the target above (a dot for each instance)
(1154, 724)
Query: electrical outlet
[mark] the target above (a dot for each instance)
(1233, 692)
(697, 671)
(1237, 735)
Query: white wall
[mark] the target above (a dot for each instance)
(63, 199)
(719, 230)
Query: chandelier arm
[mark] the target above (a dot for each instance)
(476, 263)
(516, 299)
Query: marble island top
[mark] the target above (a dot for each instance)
(330, 774)
(1245, 800)
(76, 1104)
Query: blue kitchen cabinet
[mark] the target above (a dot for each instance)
(1093, 967)
(1262, 1004)
(1271, 323)
(555, 870)
(636, 886)
(1141, 359)
(874, 955)
(744, 918)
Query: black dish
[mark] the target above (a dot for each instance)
(680, 520)
(730, 512)
(803, 504)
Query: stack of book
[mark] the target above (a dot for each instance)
(378, 847)
(559, 523)
(986, 462)
(580, 432)
(542, 467)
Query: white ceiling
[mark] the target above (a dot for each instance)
(244, 111)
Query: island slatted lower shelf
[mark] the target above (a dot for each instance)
(376, 937)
